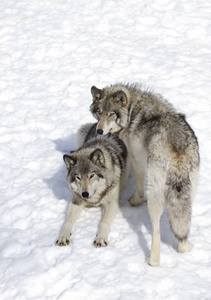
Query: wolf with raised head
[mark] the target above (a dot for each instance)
(163, 149)
(96, 173)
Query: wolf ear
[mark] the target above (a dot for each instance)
(96, 93)
(120, 97)
(70, 161)
(97, 158)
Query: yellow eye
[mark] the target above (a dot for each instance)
(92, 175)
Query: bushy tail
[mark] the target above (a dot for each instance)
(84, 133)
(179, 203)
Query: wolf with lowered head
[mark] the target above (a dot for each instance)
(96, 173)
(163, 149)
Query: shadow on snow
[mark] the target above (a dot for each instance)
(57, 183)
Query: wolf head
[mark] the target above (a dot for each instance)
(110, 108)
(86, 174)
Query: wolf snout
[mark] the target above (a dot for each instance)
(99, 131)
(85, 195)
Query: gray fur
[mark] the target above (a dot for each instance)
(162, 146)
(85, 133)
(95, 174)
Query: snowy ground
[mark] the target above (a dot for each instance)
(51, 53)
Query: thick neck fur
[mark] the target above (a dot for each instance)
(140, 100)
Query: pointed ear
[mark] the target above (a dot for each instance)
(96, 93)
(70, 161)
(120, 97)
(97, 158)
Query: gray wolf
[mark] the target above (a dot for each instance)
(96, 173)
(163, 148)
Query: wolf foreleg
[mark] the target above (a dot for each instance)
(74, 212)
(111, 208)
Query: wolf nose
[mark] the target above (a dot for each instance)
(85, 194)
(100, 131)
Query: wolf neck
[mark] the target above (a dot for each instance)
(151, 101)
(147, 103)
(140, 101)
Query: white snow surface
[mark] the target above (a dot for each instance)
(51, 53)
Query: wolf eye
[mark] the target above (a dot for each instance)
(99, 112)
(92, 175)
(111, 114)
(77, 177)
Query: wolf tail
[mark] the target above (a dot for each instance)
(178, 197)
(84, 133)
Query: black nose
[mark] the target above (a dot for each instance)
(85, 194)
(100, 131)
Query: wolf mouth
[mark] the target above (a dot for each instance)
(85, 198)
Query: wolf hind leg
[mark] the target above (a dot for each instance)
(140, 175)
(124, 178)
(155, 207)
(155, 201)
(139, 161)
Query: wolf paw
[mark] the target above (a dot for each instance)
(63, 240)
(152, 263)
(136, 201)
(100, 241)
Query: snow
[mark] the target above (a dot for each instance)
(52, 52)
